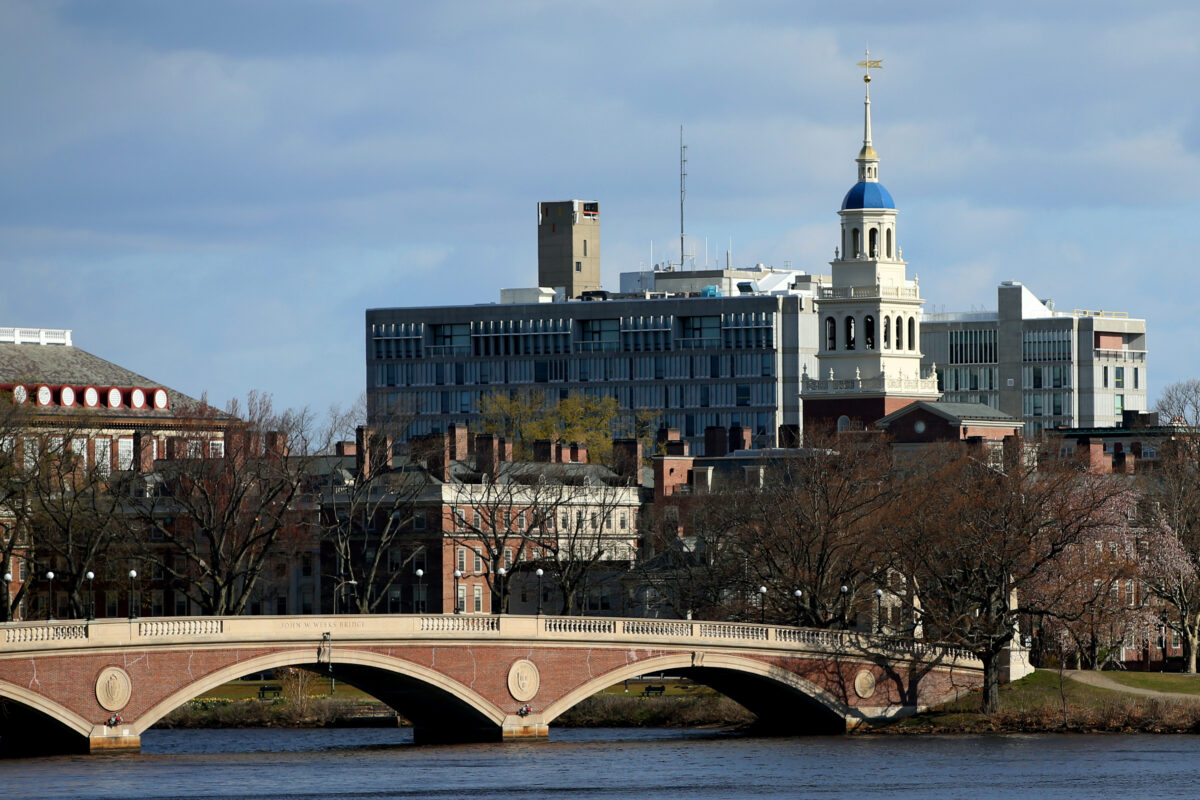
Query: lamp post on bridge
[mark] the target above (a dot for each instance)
(457, 575)
(91, 597)
(539, 574)
(501, 572)
(8, 597)
(762, 604)
(132, 607)
(845, 593)
(50, 606)
(879, 610)
(797, 594)
(419, 602)
(341, 590)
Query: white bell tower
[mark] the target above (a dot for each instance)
(870, 331)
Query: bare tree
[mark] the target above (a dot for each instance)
(506, 516)
(813, 522)
(219, 521)
(373, 514)
(1171, 517)
(988, 538)
(73, 514)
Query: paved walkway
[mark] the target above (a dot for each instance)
(1102, 681)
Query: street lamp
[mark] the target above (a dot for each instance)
(8, 597)
(457, 607)
(500, 573)
(91, 604)
(539, 573)
(845, 592)
(419, 605)
(132, 607)
(798, 594)
(762, 604)
(879, 610)
(50, 577)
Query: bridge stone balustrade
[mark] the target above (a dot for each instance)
(91, 686)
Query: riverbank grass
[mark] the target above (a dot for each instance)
(1047, 701)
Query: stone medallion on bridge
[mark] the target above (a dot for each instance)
(113, 688)
(523, 680)
(864, 683)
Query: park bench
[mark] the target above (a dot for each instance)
(269, 690)
(653, 691)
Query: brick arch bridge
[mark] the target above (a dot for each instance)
(456, 677)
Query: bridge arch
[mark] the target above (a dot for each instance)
(779, 698)
(449, 706)
(33, 724)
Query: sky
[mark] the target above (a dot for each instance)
(212, 194)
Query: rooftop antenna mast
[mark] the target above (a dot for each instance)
(682, 190)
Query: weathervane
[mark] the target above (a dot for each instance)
(870, 64)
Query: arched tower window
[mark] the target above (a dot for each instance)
(849, 339)
(843, 423)
(899, 333)
(889, 243)
(873, 252)
(830, 333)
(868, 332)
(887, 333)
(912, 333)
(854, 247)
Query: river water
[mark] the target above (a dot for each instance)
(616, 763)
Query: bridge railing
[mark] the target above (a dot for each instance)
(22, 636)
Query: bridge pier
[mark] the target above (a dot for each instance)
(118, 739)
(530, 728)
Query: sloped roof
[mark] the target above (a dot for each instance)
(58, 365)
(955, 413)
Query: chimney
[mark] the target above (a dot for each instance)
(345, 449)
(665, 435)
(276, 442)
(143, 452)
(460, 442)
(627, 459)
(789, 435)
(677, 447)
(1013, 451)
(487, 453)
(433, 450)
(579, 453)
(739, 438)
(1093, 452)
(670, 472)
(543, 451)
(559, 456)
(715, 441)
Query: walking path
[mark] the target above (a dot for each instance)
(1101, 681)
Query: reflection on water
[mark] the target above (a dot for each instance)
(611, 763)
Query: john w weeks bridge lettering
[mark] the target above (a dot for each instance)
(92, 686)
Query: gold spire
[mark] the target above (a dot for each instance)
(868, 150)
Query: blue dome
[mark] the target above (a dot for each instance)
(867, 195)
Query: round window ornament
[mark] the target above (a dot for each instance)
(113, 688)
(44, 396)
(919, 426)
(137, 398)
(91, 397)
(864, 683)
(523, 680)
(66, 396)
(20, 394)
(160, 398)
(114, 397)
